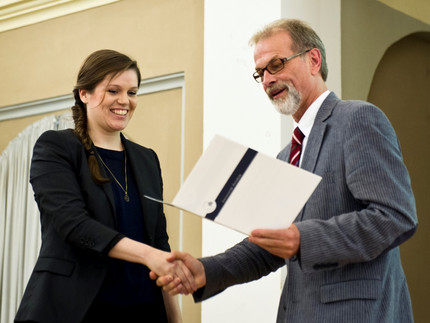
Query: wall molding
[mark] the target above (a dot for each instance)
(147, 86)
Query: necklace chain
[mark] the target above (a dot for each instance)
(126, 197)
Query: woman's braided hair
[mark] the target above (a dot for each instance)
(99, 65)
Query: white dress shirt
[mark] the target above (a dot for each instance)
(307, 121)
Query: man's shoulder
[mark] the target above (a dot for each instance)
(352, 109)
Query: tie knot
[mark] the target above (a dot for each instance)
(297, 136)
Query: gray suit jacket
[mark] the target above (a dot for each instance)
(348, 268)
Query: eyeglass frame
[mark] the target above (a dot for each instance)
(260, 77)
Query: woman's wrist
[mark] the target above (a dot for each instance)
(132, 251)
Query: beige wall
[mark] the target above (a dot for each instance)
(165, 36)
(381, 63)
(419, 9)
(368, 28)
(400, 89)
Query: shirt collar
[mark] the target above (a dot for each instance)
(307, 120)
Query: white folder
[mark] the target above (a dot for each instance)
(243, 189)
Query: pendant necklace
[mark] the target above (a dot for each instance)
(126, 197)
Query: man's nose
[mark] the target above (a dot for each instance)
(268, 79)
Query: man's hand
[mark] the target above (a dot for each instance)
(155, 259)
(173, 284)
(283, 243)
(161, 264)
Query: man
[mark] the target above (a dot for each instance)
(342, 252)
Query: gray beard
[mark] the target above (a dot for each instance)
(290, 104)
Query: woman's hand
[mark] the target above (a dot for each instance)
(162, 264)
(156, 260)
(174, 286)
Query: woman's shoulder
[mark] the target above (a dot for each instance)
(141, 152)
(60, 139)
(66, 134)
(137, 147)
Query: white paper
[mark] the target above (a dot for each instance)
(269, 194)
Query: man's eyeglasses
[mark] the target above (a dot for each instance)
(276, 65)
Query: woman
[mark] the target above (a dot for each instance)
(97, 228)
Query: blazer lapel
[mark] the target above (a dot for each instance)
(107, 188)
(316, 136)
(143, 175)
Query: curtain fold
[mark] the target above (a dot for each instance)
(19, 216)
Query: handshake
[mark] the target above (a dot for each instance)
(185, 276)
(181, 273)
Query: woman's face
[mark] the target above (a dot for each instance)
(111, 104)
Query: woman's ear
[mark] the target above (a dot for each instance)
(83, 95)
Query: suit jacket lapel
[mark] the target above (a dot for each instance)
(143, 176)
(316, 136)
(107, 188)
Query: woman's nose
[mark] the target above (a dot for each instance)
(123, 98)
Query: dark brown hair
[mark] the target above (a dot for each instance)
(99, 65)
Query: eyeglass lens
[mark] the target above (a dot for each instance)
(273, 67)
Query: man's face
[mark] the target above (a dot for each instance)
(285, 87)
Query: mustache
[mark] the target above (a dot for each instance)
(276, 88)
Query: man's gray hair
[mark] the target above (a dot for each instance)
(302, 35)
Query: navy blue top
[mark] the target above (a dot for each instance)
(126, 283)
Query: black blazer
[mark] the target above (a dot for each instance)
(78, 225)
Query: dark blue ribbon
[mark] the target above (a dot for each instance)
(232, 182)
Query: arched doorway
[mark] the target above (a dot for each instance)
(401, 88)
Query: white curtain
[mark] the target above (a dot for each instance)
(19, 216)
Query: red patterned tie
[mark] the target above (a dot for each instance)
(296, 147)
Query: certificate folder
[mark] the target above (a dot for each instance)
(243, 189)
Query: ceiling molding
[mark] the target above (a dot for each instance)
(19, 13)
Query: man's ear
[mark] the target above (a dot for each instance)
(83, 95)
(315, 56)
